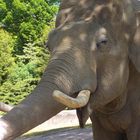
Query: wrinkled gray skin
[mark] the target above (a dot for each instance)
(95, 46)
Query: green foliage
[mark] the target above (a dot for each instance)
(26, 19)
(19, 84)
(53, 1)
(3, 9)
(6, 59)
(24, 27)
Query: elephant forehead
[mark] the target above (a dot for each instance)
(73, 31)
(76, 10)
(82, 5)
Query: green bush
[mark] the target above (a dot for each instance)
(24, 27)
(6, 58)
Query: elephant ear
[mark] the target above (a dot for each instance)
(134, 50)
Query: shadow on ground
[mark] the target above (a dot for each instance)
(65, 134)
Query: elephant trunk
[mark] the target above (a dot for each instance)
(40, 105)
(34, 110)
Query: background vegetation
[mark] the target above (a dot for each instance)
(24, 26)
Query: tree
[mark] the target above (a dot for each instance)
(27, 19)
(25, 25)
(6, 58)
(53, 1)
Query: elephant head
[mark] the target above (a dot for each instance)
(91, 51)
(112, 37)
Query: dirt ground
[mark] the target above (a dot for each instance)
(63, 126)
(66, 134)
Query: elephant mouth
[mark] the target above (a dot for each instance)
(80, 101)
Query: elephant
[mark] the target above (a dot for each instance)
(94, 68)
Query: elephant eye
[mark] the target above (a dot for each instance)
(102, 41)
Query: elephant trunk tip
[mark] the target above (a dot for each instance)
(78, 102)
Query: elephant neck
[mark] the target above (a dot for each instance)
(114, 106)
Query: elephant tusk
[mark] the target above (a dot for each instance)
(78, 102)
